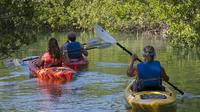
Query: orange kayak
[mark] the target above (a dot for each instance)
(50, 73)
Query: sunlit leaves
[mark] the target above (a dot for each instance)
(178, 20)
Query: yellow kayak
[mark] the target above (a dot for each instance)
(149, 100)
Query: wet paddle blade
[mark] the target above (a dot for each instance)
(17, 62)
(104, 45)
(99, 46)
(12, 63)
(92, 41)
(104, 35)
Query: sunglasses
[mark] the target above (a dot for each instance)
(150, 53)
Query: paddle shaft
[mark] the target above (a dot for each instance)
(31, 58)
(127, 50)
(87, 48)
(28, 59)
(141, 61)
(176, 88)
(99, 46)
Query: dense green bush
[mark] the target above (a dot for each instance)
(15, 17)
(176, 20)
(52, 14)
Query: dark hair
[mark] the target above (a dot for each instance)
(149, 53)
(54, 49)
(72, 36)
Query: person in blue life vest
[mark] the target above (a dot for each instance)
(52, 57)
(75, 49)
(149, 74)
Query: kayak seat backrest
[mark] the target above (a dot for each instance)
(75, 59)
(53, 65)
(151, 88)
(153, 96)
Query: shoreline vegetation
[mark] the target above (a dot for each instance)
(178, 21)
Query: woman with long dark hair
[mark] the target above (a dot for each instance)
(53, 57)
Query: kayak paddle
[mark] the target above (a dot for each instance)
(17, 62)
(97, 46)
(108, 38)
(92, 41)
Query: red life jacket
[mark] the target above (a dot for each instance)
(49, 61)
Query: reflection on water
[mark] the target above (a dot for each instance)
(99, 87)
(111, 65)
(53, 89)
(54, 92)
(168, 108)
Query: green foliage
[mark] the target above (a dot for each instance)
(52, 14)
(177, 20)
(13, 41)
(183, 19)
(14, 15)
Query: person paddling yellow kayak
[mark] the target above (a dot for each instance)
(146, 92)
(149, 74)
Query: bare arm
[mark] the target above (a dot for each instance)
(85, 53)
(65, 57)
(62, 48)
(164, 75)
(132, 70)
(65, 60)
(41, 61)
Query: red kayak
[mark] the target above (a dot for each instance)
(77, 63)
(50, 73)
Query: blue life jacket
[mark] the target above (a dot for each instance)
(149, 74)
(74, 49)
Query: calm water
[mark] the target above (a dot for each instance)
(100, 87)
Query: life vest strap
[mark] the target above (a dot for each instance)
(144, 80)
(75, 59)
(143, 87)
